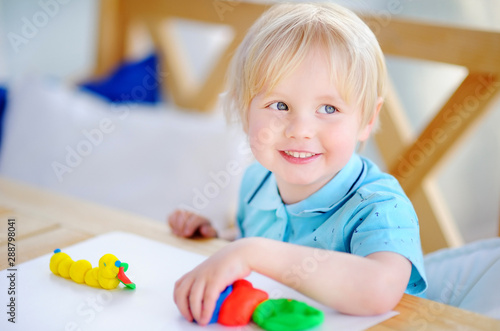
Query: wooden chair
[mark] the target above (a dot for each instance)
(413, 160)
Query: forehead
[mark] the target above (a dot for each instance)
(315, 64)
(314, 67)
(316, 58)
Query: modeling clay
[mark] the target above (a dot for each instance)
(238, 307)
(122, 267)
(222, 297)
(240, 302)
(286, 314)
(108, 275)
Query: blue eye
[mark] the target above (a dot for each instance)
(327, 109)
(278, 106)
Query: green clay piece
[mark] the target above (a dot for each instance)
(286, 315)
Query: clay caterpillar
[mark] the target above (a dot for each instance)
(108, 275)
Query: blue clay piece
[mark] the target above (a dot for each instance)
(224, 294)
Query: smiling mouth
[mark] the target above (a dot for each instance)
(299, 155)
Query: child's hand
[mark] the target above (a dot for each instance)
(187, 224)
(196, 292)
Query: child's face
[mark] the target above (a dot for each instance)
(303, 131)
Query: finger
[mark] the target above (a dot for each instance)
(193, 223)
(195, 299)
(181, 295)
(208, 231)
(181, 222)
(208, 304)
(170, 218)
(174, 221)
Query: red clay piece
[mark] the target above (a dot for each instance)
(238, 307)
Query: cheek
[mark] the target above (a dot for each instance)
(341, 139)
(260, 136)
(263, 130)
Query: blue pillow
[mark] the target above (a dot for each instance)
(3, 105)
(131, 82)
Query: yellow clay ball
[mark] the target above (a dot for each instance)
(108, 283)
(91, 277)
(107, 268)
(78, 270)
(55, 260)
(64, 266)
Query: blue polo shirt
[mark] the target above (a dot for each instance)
(362, 210)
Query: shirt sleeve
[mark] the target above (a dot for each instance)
(388, 222)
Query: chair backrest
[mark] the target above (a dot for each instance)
(414, 160)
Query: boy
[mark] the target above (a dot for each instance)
(307, 84)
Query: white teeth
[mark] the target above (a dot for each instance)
(301, 155)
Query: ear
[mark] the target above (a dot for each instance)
(364, 133)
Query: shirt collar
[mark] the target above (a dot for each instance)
(266, 195)
(333, 192)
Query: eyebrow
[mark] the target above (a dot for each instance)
(323, 98)
(272, 95)
(337, 98)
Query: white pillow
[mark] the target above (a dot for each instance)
(467, 277)
(148, 160)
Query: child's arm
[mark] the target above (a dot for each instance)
(187, 224)
(348, 283)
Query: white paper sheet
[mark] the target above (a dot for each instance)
(45, 301)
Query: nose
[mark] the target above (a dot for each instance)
(299, 127)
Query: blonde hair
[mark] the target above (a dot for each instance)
(281, 38)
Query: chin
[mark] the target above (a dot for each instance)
(303, 181)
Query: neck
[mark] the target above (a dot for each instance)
(293, 193)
